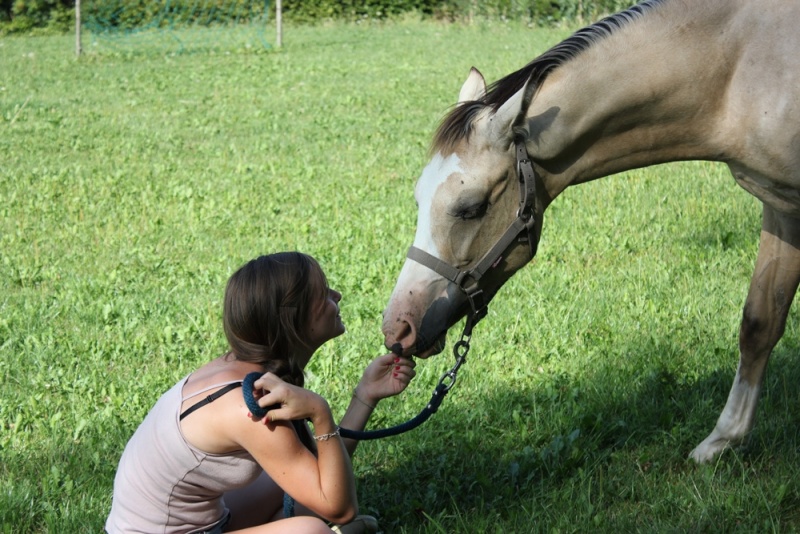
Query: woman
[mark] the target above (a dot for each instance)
(200, 462)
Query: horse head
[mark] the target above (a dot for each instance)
(470, 235)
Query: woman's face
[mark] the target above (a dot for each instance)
(325, 322)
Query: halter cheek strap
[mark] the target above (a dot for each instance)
(523, 228)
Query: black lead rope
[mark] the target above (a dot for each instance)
(446, 383)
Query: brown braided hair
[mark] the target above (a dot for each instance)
(267, 308)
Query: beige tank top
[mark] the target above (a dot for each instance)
(165, 485)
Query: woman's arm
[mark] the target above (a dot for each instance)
(385, 376)
(323, 483)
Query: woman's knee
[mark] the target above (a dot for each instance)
(307, 525)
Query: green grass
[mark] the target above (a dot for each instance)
(133, 183)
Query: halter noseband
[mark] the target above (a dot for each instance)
(523, 228)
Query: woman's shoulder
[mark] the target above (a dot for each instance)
(216, 413)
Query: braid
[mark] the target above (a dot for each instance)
(285, 370)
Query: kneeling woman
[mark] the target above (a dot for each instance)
(200, 462)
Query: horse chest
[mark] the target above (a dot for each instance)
(782, 196)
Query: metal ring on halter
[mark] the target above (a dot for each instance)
(452, 376)
(461, 344)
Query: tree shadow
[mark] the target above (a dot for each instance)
(456, 464)
(476, 457)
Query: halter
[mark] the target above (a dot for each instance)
(523, 228)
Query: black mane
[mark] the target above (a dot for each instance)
(457, 124)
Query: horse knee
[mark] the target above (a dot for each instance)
(759, 332)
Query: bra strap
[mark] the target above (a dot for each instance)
(210, 398)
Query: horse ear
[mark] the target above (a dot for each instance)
(502, 123)
(474, 88)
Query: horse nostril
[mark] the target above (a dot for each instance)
(401, 333)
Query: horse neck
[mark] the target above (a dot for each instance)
(651, 92)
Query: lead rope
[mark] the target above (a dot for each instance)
(446, 383)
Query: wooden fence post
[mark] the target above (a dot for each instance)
(78, 47)
(279, 23)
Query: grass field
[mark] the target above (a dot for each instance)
(132, 184)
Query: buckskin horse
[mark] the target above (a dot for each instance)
(665, 80)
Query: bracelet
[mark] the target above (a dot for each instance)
(326, 437)
(356, 397)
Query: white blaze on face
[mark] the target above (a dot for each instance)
(433, 176)
(416, 283)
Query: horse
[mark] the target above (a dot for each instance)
(663, 81)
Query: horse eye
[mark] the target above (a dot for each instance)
(473, 212)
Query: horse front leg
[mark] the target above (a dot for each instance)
(772, 289)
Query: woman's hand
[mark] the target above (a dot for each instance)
(294, 402)
(386, 376)
(323, 482)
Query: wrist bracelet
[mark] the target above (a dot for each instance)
(356, 397)
(326, 437)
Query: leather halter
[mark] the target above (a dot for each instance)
(523, 228)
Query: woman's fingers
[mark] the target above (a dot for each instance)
(274, 391)
(269, 393)
(404, 377)
(407, 372)
(268, 381)
(285, 401)
(404, 367)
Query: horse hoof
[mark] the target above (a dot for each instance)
(709, 449)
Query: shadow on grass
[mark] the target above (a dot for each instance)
(600, 447)
(577, 449)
